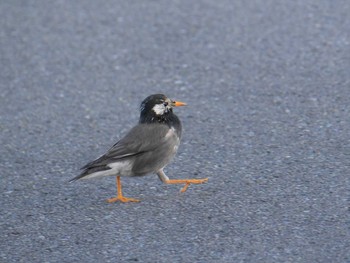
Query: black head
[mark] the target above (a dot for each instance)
(158, 108)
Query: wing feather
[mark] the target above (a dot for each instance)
(140, 139)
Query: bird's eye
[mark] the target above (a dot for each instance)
(165, 103)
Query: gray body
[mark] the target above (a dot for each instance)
(147, 148)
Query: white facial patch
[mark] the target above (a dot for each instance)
(159, 109)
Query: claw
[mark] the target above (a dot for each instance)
(185, 187)
(122, 199)
(120, 196)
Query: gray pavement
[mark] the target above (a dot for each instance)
(268, 88)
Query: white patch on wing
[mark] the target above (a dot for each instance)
(170, 133)
(159, 109)
(118, 168)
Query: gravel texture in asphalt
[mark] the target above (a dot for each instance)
(268, 90)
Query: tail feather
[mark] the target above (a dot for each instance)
(89, 170)
(75, 178)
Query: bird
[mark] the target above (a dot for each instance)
(147, 148)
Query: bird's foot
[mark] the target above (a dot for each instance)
(187, 182)
(122, 199)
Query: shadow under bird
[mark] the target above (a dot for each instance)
(146, 148)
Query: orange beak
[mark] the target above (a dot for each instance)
(178, 103)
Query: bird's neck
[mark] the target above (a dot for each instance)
(168, 118)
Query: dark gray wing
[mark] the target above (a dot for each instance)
(141, 139)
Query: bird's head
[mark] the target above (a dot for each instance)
(157, 106)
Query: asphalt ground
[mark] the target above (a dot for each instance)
(268, 90)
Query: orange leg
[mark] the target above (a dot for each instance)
(187, 182)
(120, 196)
